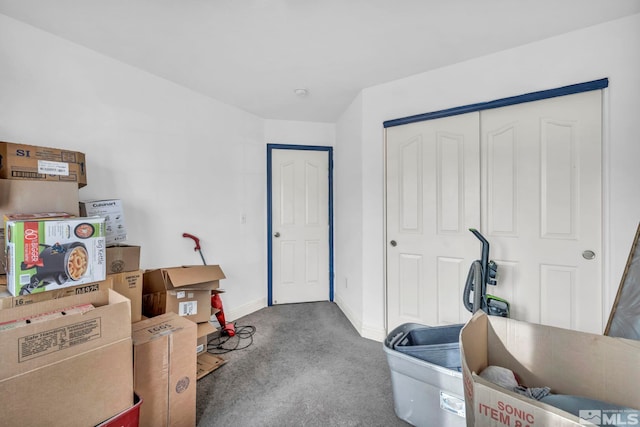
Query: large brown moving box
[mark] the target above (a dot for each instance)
(165, 370)
(570, 362)
(75, 370)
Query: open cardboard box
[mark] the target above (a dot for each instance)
(75, 369)
(570, 362)
(183, 290)
(207, 362)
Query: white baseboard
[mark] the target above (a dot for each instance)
(365, 331)
(245, 309)
(373, 333)
(355, 321)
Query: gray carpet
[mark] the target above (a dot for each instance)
(307, 366)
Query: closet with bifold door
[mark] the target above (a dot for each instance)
(525, 171)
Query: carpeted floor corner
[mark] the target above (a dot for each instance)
(306, 366)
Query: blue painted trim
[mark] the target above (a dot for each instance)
(270, 148)
(519, 99)
(269, 232)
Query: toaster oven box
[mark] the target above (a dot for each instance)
(113, 213)
(74, 370)
(31, 162)
(46, 254)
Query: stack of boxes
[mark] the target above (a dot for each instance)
(76, 363)
(73, 332)
(186, 291)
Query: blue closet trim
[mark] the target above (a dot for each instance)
(529, 97)
(270, 148)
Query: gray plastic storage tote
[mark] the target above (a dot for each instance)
(426, 394)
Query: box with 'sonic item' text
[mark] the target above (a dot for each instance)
(591, 379)
(46, 254)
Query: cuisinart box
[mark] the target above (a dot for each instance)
(46, 254)
(113, 213)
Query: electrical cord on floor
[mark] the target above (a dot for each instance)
(221, 344)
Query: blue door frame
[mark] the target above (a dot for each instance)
(270, 148)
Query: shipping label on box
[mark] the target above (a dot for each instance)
(43, 255)
(113, 213)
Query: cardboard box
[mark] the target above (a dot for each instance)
(182, 290)
(9, 301)
(121, 258)
(47, 254)
(35, 196)
(31, 162)
(129, 284)
(113, 213)
(570, 362)
(165, 370)
(76, 369)
(204, 329)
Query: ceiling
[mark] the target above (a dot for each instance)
(253, 54)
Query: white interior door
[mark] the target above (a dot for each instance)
(528, 176)
(433, 198)
(300, 226)
(542, 205)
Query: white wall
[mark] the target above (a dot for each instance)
(607, 50)
(292, 132)
(181, 162)
(348, 239)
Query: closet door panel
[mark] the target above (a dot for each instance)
(433, 192)
(549, 212)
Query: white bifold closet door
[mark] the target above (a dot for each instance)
(528, 176)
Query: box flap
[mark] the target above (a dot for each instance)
(205, 328)
(208, 363)
(199, 276)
